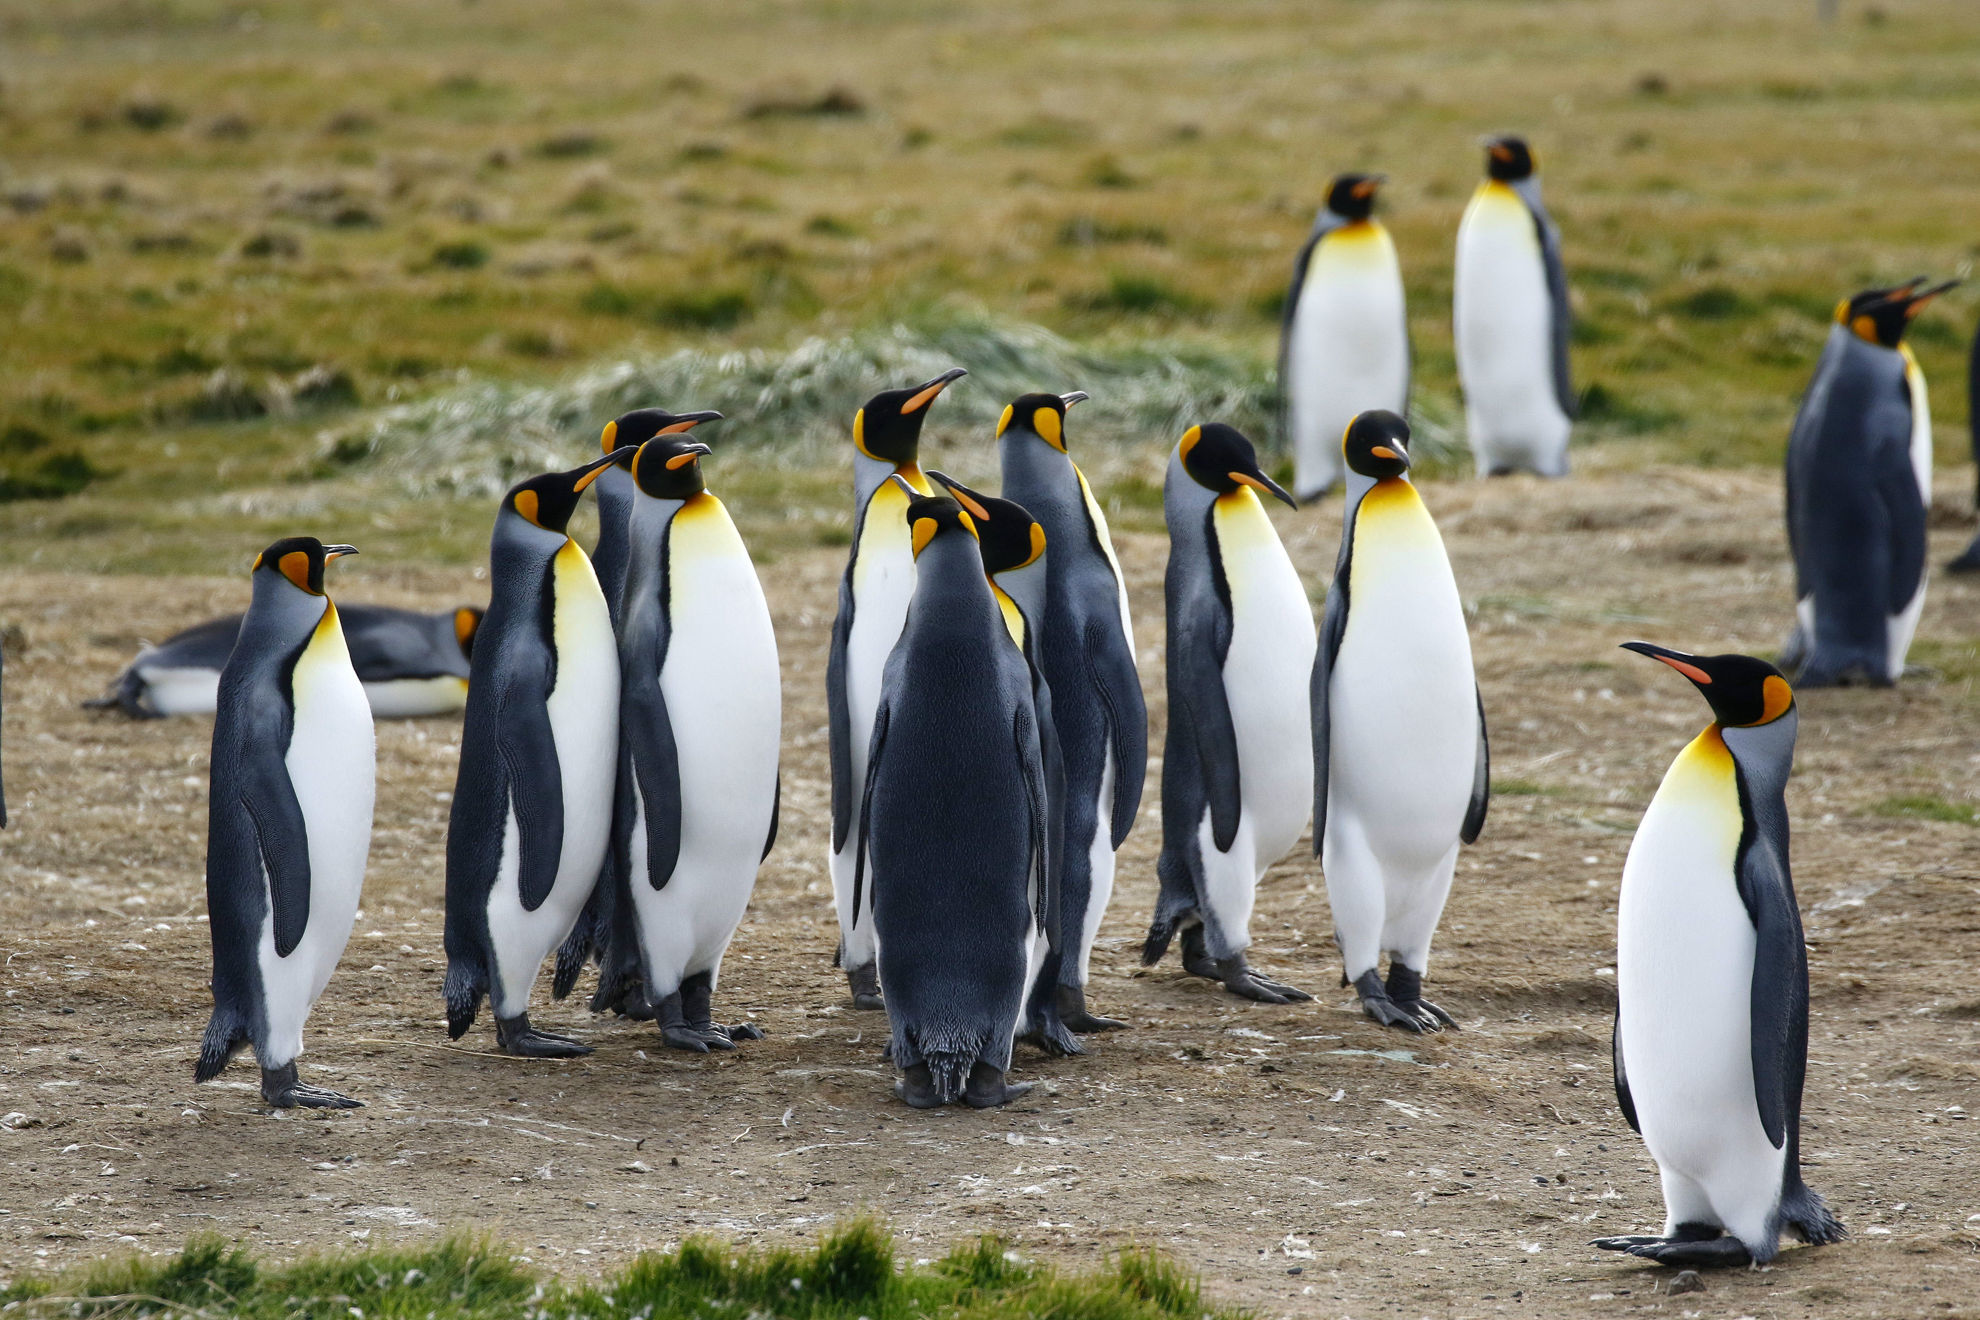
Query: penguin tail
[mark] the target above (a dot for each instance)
(578, 948)
(1804, 1215)
(226, 1035)
(463, 990)
(1160, 932)
(949, 1071)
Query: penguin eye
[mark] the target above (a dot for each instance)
(1046, 422)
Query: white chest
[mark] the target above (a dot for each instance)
(883, 588)
(1268, 670)
(584, 709)
(1504, 312)
(1349, 344)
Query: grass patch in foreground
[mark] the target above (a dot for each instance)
(1918, 806)
(850, 1273)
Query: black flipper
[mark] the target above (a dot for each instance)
(776, 813)
(1333, 627)
(1045, 902)
(1623, 1096)
(1481, 781)
(838, 710)
(860, 903)
(1779, 999)
(1557, 293)
(1112, 667)
(270, 802)
(529, 756)
(645, 729)
(1199, 640)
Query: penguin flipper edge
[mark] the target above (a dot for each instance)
(1779, 1003)
(656, 768)
(860, 901)
(282, 837)
(838, 714)
(1112, 666)
(1481, 781)
(528, 749)
(1332, 628)
(1196, 668)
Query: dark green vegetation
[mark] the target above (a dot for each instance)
(226, 228)
(850, 1273)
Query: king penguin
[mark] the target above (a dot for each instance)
(1711, 1041)
(700, 717)
(1401, 771)
(593, 936)
(289, 820)
(410, 663)
(1344, 343)
(1098, 715)
(955, 814)
(1511, 321)
(1859, 485)
(1237, 770)
(873, 603)
(1015, 561)
(533, 797)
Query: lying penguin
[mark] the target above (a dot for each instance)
(410, 664)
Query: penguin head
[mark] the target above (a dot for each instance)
(668, 467)
(1508, 159)
(1043, 415)
(300, 559)
(1881, 316)
(1352, 196)
(1220, 458)
(929, 516)
(1009, 536)
(467, 621)
(1376, 444)
(549, 500)
(631, 430)
(888, 428)
(1743, 690)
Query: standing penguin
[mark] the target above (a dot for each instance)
(1969, 558)
(1711, 1042)
(1087, 658)
(1511, 320)
(700, 715)
(289, 820)
(1859, 483)
(873, 603)
(613, 489)
(1015, 561)
(533, 799)
(1237, 770)
(1401, 771)
(956, 818)
(1344, 344)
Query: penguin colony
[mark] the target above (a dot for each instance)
(618, 784)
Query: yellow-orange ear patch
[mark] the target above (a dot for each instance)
(610, 438)
(295, 567)
(969, 524)
(1004, 422)
(257, 561)
(1864, 328)
(1775, 698)
(859, 434)
(1842, 312)
(924, 532)
(465, 623)
(527, 505)
(1045, 421)
(1037, 544)
(1189, 439)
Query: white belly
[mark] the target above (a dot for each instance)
(1504, 319)
(1267, 675)
(1684, 977)
(1348, 350)
(181, 691)
(723, 692)
(1402, 698)
(332, 764)
(401, 698)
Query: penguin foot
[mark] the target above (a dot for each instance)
(742, 1031)
(916, 1087)
(986, 1088)
(1073, 1012)
(1053, 1038)
(865, 984)
(1968, 560)
(514, 1036)
(281, 1090)
(1711, 1254)
(1245, 981)
(1405, 989)
(680, 1036)
(1196, 959)
(1683, 1233)
(1409, 1016)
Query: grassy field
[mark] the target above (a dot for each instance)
(227, 226)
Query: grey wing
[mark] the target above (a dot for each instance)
(280, 831)
(1557, 292)
(1200, 640)
(1333, 627)
(528, 748)
(1623, 1097)
(647, 729)
(1904, 503)
(1779, 999)
(879, 744)
(1025, 731)
(1481, 780)
(388, 643)
(838, 714)
(1119, 683)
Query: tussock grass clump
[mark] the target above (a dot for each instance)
(792, 404)
(850, 1273)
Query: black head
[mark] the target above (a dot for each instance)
(301, 559)
(1508, 159)
(929, 516)
(1042, 414)
(1011, 538)
(1376, 444)
(1743, 690)
(1220, 458)
(467, 621)
(1352, 196)
(633, 429)
(888, 428)
(1881, 316)
(668, 467)
(549, 500)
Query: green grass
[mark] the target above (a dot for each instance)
(1918, 806)
(850, 1273)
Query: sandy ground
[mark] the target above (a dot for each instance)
(1306, 1161)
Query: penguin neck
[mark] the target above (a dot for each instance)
(280, 617)
(1026, 589)
(1030, 465)
(869, 474)
(1015, 621)
(518, 542)
(1184, 502)
(1763, 752)
(616, 491)
(951, 592)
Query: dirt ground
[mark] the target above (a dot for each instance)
(1306, 1161)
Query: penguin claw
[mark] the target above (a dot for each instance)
(988, 1087)
(281, 1090)
(517, 1038)
(1243, 981)
(1715, 1252)
(1624, 1243)
(686, 1038)
(743, 1031)
(1077, 1018)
